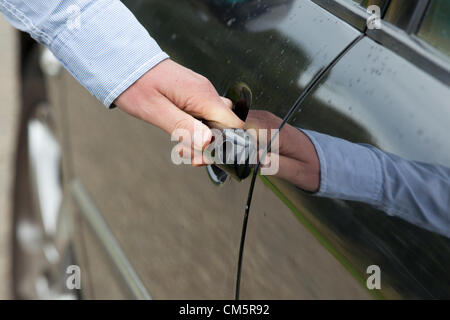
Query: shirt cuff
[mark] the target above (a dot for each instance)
(108, 50)
(348, 171)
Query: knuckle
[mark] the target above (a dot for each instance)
(181, 124)
(201, 78)
(204, 84)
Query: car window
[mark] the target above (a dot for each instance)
(400, 11)
(435, 28)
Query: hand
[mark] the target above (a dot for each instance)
(171, 97)
(298, 160)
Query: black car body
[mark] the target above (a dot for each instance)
(139, 226)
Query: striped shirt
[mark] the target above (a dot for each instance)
(100, 42)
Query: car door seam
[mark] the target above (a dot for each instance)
(295, 107)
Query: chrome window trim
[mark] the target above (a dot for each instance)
(353, 14)
(403, 42)
(413, 49)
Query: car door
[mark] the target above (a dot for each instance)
(167, 230)
(389, 90)
(268, 45)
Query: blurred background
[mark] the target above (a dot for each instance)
(8, 120)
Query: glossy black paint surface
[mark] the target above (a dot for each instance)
(373, 96)
(181, 232)
(269, 45)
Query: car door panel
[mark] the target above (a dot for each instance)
(373, 96)
(266, 44)
(179, 231)
(285, 257)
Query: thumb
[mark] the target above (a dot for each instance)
(218, 114)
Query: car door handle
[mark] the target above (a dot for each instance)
(238, 166)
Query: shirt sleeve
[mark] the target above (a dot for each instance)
(414, 191)
(100, 42)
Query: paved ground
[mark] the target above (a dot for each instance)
(8, 118)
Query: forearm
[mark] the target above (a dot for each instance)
(92, 39)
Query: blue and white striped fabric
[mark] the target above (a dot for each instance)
(414, 191)
(100, 42)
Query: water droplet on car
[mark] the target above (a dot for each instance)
(231, 21)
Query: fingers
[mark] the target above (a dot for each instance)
(188, 91)
(222, 123)
(216, 110)
(171, 97)
(192, 156)
(196, 95)
(159, 111)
